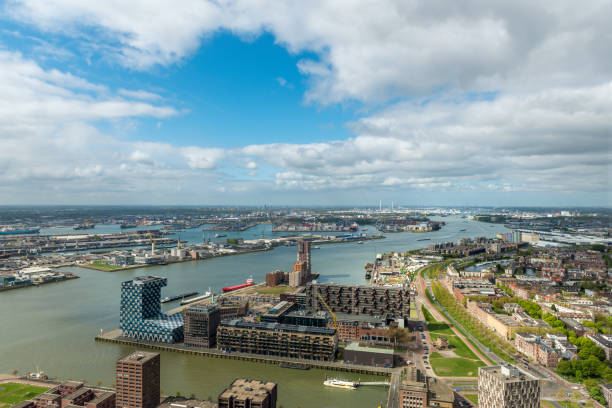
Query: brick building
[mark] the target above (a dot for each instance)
(244, 393)
(138, 380)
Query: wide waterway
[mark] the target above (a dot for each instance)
(53, 326)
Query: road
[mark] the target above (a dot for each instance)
(422, 299)
(393, 399)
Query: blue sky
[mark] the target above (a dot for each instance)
(287, 103)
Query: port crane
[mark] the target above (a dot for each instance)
(329, 309)
(152, 243)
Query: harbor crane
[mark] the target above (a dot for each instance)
(152, 243)
(329, 309)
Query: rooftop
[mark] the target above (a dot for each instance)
(242, 388)
(278, 327)
(139, 357)
(508, 373)
(355, 346)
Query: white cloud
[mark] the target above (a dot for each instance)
(139, 94)
(367, 51)
(557, 140)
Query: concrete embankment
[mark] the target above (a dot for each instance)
(114, 336)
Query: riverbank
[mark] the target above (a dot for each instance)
(29, 285)
(114, 336)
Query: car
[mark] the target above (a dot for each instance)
(420, 328)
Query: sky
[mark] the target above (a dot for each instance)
(255, 102)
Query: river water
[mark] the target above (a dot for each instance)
(53, 326)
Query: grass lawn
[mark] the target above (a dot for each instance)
(13, 393)
(472, 397)
(102, 265)
(274, 290)
(454, 367)
(546, 404)
(458, 346)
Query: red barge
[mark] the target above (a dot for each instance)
(249, 282)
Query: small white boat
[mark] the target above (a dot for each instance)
(39, 375)
(334, 382)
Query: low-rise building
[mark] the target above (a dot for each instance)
(418, 391)
(245, 393)
(275, 339)
(354, 353)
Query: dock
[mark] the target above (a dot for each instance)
(115, 336)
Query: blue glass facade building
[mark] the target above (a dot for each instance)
(141, 317)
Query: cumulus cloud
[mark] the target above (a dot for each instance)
(477, 96)
(49, 147)
(367, 51)
(553, 140)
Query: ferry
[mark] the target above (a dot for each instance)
(249, 282)
(334, 382)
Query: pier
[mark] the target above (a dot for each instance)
(114, 336)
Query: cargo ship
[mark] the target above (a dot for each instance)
(347, 385)
(249, 282)
(18, 230)
(177, 297)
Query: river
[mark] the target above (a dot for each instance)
(53, 326)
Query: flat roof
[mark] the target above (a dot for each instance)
(509, 373)
(139, 357)
(278, 327)
(357, 347)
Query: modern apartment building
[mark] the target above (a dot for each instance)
(356, 299)
(140, 315)
(285, 340)
(138, 381)
(244, 393)
(201, 324)
(507, 387)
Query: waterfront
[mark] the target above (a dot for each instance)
(53, 327)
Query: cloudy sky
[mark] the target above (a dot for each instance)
(305, 102)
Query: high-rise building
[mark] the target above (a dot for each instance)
(244, 393)
(507, 386)
(137, 377)
(201, 324)
(303, 255)
(140, 315)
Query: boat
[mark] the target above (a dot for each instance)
(220, 235)
(196, 299)
(316, 247)
(125, 225)
(249, 282)
(177, 297)
(17, 230)
(84, 226)
(360, 242)
(38, 375)
(424, 239)
(462, 230)
(334, 382)
(294, 366)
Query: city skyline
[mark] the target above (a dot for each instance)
(240, 103)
